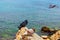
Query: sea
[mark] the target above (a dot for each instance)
(37, 12)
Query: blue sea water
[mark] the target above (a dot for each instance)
(37, 12)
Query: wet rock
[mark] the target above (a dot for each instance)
(45, 29)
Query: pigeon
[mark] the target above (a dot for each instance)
(23, 24)
(52, 6)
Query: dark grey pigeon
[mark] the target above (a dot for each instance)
(52, 6)
(23, 24)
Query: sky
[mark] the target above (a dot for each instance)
(35, 10)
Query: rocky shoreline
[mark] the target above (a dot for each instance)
(53, 36)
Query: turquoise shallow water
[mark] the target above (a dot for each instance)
(8, 29)
(37, 12)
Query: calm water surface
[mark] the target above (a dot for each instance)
(37, 12)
